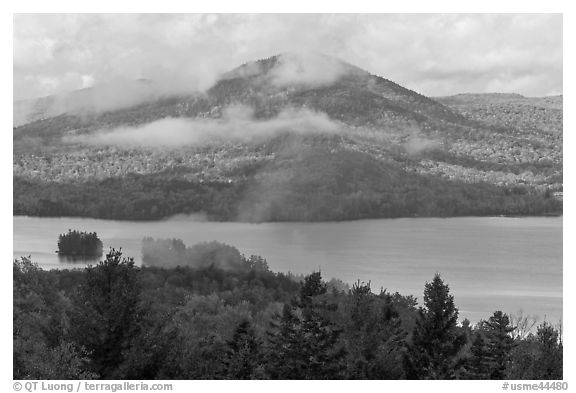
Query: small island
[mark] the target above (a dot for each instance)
(76, 243)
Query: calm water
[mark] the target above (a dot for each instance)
(490, 263)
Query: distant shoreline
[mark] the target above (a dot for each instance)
(202, 218)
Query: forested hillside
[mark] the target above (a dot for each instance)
(259, 146)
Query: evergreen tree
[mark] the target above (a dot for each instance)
(244, 353)
(306, 347)
(285, 358)
(436, 340)
(325, 357)
(312, 287)
(479, 363)
(105, 312)
(374, 337)
(147, 357)
(549, 364)
(500, 343)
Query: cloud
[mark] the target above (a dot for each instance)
(308, 68)
(173, 252)
(237, 124)
(113, 95)
(417, 144)
(434, 54)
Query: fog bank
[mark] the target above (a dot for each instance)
(236, 124)
(307, 68)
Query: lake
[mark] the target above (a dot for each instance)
(490, 263)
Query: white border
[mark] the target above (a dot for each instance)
(362, 6)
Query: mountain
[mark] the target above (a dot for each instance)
(294, 137)
(510, 111)
(89, 100)
(344, 92)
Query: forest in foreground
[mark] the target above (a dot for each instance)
(211, 313)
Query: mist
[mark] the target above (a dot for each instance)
(236, 124)
(307, 68)
(114, 95)
(293, 68)
(173, 252)
(416, 145)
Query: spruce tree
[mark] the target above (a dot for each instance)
(104, 319)
(374, 336)
(500, 343)
(306, 347)
(479, 364)
(325, 357)
(436, 339)
(244, 353)
(312, 287)
(284, 356)
(549, 363)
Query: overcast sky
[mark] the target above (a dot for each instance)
(432, 54)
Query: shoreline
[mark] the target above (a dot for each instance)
(201, 218)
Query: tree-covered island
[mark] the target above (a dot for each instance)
(81, 244)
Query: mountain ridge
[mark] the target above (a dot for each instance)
(457, 155)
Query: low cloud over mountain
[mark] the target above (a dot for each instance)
(236, 124)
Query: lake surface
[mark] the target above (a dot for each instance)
(490, 263)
